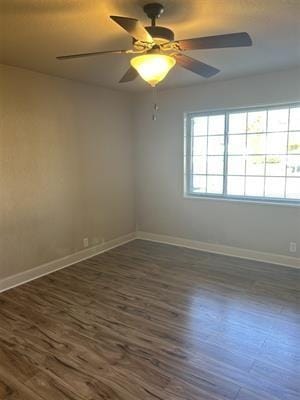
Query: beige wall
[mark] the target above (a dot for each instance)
(69, 159)
(161, 208)
(66, 167)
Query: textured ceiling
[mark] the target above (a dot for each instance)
(34, 32)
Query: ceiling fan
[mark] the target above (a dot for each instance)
(157, 51)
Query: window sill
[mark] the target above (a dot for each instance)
(271, 202)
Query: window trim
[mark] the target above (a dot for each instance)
(187, 158)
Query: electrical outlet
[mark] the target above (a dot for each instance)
(293, 247)
(86, 242)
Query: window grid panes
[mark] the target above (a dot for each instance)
(248, 154)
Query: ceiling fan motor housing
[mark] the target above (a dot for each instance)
(160, 34)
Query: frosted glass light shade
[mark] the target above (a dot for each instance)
(153, 68)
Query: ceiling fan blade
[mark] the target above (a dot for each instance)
(196, 66)
(241, 39)
(133, 27)
(130, 75)
(96, 53)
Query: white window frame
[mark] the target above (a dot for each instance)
(187, 154)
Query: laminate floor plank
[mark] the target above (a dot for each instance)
(12, 389)
(149, 321)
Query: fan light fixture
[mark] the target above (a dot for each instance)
(156, 51)
(153, 68)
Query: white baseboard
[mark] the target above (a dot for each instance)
(45, 269)
(278, 259)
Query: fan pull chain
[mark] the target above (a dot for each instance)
(155, 103)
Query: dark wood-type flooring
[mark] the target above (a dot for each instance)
(147, 321)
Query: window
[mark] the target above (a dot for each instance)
(251, 154)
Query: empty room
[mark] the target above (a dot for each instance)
(149, 200)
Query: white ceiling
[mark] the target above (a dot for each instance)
(34, 32)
